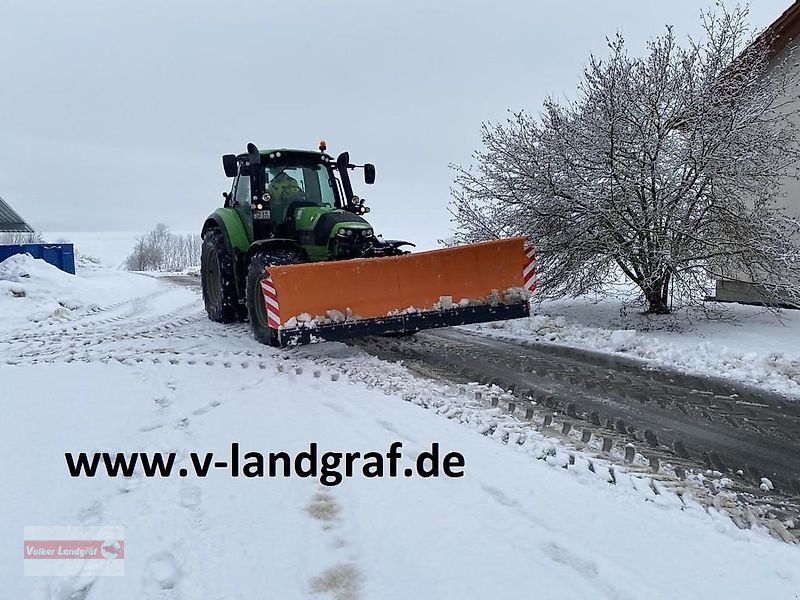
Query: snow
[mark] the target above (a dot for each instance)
(744, 343)
(33, 291)
(148, 372)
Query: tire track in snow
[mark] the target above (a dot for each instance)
(186, 332)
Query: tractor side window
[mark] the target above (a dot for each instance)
(243, 190)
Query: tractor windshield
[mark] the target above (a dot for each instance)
(306, 185)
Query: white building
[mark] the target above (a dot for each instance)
(786, 30)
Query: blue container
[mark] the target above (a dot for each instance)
(58, 255)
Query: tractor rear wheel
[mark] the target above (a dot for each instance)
(256, 307)
(218, 279)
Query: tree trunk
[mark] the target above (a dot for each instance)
(657, 296)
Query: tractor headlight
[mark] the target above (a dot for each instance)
(345, 233)
(367, 233)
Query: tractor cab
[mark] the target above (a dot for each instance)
(272, 189)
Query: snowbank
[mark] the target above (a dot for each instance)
(744, 343)
(31, 290)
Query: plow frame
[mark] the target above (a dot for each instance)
(405, 323)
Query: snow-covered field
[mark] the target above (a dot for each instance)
(745, 343)
(113, 361)
(110, 248)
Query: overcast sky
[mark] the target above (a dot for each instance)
(113, 115)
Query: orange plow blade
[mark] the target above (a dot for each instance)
(350, 298)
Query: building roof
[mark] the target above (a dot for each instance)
(784, 29)
(10, 220)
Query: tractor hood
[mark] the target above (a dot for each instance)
(316, 225)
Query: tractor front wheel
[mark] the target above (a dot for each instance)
(256, 307)
(218, 279)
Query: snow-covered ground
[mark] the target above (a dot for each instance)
(130, 363)
(745, 343)
(33, 293)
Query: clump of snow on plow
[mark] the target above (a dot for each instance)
(510, 296)
(409, 310)
(32, 290)
(311, 322)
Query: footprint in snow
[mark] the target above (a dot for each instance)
(323, 507)
(586, 568)
(91, 515)
(190, 496)
(73, 588)
(343, 582)
(163, 571)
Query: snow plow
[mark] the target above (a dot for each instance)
(291, 252)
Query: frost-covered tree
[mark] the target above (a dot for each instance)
(20, 237)
(162, 250)
(665, 168)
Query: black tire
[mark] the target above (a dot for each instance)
(256, 271)
(218, 279)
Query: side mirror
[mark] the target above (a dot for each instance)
(229, 164)
(369, 173)
(343, 160)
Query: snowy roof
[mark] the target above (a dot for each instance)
(10, 220)
(785, 28)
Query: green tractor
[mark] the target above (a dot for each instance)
(285, 207)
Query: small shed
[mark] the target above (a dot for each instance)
(10, 221)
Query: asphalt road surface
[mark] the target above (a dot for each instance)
(717, 423)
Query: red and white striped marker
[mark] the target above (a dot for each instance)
(271, 302)
(529, 272)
